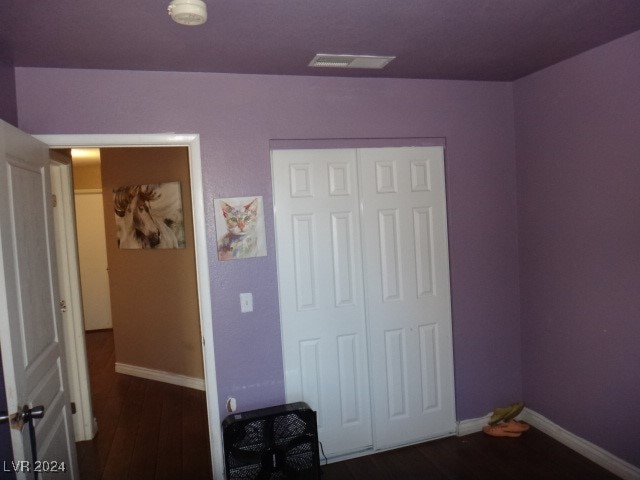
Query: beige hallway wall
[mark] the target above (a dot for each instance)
(153, 291)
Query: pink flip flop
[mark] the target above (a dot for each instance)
(515, 426)
(499, 431)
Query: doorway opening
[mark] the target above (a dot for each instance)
(191, 142)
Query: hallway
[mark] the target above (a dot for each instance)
(146, 429)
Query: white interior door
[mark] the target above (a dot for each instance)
(30, 327)
(408, 296)
(380, 303)
(321, 293)
(92, 252)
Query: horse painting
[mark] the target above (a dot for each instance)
(139, 224)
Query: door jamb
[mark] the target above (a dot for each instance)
(84, 423)
(192, 141)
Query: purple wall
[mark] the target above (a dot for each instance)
(236, 117)
(8, 107)
(578, 156)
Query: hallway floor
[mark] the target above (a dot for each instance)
(146, 429)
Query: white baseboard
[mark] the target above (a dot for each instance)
(472, 425)
(160, 376)
(585, 448)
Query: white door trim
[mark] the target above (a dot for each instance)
(192, 141)
(69, 283)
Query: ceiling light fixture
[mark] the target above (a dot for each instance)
(188, 12)
(85, 156)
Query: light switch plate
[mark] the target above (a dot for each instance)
(246, 302)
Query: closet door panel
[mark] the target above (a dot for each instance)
(407, 289)
(321, 294)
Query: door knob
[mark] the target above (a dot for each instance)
(25, 415)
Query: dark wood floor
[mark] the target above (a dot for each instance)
(146, 429)
(533, 456)
(152, 430)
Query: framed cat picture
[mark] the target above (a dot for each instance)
(240, 227)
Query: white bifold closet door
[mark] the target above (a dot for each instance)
(364, 293)
(408, 296)
(322, 306)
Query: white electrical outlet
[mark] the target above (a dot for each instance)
(246, 302)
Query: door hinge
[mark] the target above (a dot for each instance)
(54, 200)
(73, 408)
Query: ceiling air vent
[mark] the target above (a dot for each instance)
(349, 61)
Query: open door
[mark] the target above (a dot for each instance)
(31, 336)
